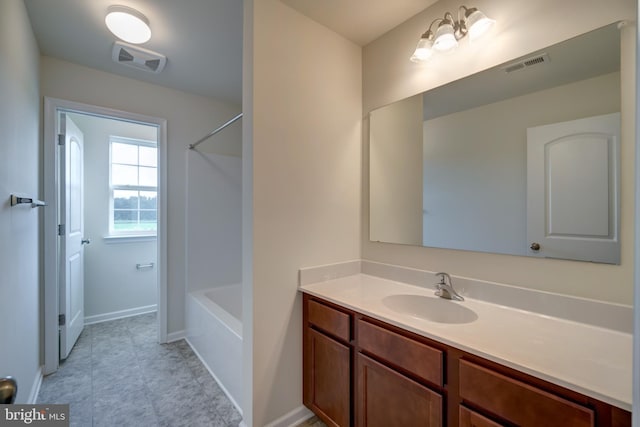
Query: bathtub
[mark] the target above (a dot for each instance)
(214, 331)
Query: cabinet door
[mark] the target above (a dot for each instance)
(327, 379)
(387, 398)
(469, 418)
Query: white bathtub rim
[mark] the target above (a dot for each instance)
(227, 319)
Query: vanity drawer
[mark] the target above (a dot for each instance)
(330, 320)
(469, 418)
(518, 402)
(421, 360)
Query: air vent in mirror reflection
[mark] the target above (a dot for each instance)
(527, 63)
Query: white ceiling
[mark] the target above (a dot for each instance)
(202, 40)
(360, 21)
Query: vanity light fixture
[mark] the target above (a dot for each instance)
(445, 38)
(128, 24)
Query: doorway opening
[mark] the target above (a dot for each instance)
(105, 252)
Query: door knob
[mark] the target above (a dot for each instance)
(85, 241)
(8, 390)
(535, 246)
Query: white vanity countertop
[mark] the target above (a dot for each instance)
(588, 359)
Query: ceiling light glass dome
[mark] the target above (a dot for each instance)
(128, 24)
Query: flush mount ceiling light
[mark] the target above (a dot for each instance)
(128, 24)
(472, 22)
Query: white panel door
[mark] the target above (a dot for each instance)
(573, 189)
(71, 243)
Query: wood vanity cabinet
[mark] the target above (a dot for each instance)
(393, 375)
(327, 362)
(362, 372)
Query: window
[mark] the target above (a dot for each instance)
(134, 187)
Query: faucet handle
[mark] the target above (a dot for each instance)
(445, 290)
(443, 277)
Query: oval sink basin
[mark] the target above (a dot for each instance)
(432, 309)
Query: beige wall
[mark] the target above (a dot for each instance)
(305, 112)
(189, 117)
(396, 172)
(388, 76)
(20, 163)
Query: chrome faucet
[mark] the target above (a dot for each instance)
(446, 291)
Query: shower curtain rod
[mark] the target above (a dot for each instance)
(201, 140)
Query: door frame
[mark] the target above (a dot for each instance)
(50, 253)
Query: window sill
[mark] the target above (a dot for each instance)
(129, 238)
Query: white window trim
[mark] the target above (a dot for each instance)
(134, 235)
(129, 238)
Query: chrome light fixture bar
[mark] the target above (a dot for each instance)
(471, 22)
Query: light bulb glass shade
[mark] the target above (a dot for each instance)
(128, 24)
(423, 50)
(477, 24)
(444, 39)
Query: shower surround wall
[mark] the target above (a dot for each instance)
(214, 264)
(213, 214)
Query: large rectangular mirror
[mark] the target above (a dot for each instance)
(520, 159)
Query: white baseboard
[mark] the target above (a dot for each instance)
(105, 317)
(35, 387)
(293, 418)
(176, 336)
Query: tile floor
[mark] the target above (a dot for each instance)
(118, 375)
(312, 422)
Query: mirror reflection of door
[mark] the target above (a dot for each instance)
(572, 189)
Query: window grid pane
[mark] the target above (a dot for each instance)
(148, 156)
(133, 183)
(124, 175)
(126, 154)
(147, 176)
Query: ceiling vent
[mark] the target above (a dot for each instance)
(137, 57)
(527, 63)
